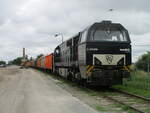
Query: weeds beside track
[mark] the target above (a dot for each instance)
(137, 103)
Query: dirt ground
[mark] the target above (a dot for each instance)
(94, 99)
(28, 91)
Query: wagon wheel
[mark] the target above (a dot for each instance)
(79, 79)
(69, 76)
(84, 83)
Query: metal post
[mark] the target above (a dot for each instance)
(24, 58)
(23, 52)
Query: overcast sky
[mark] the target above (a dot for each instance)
(33, 23)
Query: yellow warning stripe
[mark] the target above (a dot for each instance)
(87, 66)
(127, 68)
(91, 68)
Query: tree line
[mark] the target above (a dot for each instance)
(2, 62)
(18, 60)
(143, 62)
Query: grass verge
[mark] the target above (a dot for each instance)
(139, 84)
(100, 108)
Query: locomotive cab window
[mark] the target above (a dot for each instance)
(83, 36)
(57, 51)
(108, 35)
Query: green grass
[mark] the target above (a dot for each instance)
(100, 108)
(124, 108)
(131, 111)
(93, 94)
(147, 110)
(139, 84)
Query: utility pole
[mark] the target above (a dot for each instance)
(24, 58)
(23, 53)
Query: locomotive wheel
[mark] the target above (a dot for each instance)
(73, 79)
(84, 83)
(78, 78)
(69, 77)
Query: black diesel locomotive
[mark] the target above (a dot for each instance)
(98, 55)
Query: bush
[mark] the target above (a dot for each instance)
(2, 62)
(143, 62)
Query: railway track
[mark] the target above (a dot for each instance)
(137, 103)
(133, 95)
(134, 102)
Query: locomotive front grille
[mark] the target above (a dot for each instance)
(109, 59)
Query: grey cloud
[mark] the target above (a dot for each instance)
(33, 23)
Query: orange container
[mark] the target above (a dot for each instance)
(39, 62)
(49, 61)
(28, 64)
(32, 63)
(43, 62)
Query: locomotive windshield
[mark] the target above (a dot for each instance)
(108, 35)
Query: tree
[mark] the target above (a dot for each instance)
(17, 61)
(2, 62)
(39, 55)
(31, 59)
(143, 62)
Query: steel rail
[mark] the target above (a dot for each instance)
(117, 101)
(132, 95)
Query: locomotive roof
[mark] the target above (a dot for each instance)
(107, 23)
(102, 24)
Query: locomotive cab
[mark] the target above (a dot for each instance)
(104, 53)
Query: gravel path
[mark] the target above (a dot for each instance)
(26, 91)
